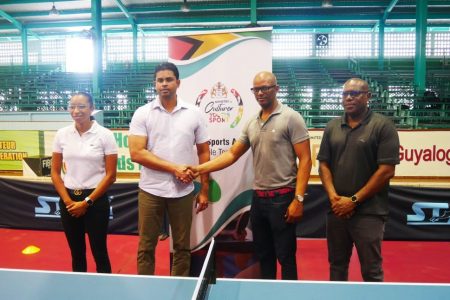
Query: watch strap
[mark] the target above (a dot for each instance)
(89, 201)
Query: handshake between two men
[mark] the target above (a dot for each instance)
(187, 174)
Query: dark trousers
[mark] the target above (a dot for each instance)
(95, 224)
(273, 238)
(366, 233)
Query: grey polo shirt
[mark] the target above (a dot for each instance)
(354, 156)
(274, 158)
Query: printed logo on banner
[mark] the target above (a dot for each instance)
(49, 207)
(429, 213)
(223, 106)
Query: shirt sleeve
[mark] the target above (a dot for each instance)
(110, 145)
(297, 128)
(138, 124)
(244, 134)
(325, 150)
(388, 145)
(201, 134)
(57, 147)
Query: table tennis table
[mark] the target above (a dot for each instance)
(49, 285)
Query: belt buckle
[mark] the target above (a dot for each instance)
(77, 192)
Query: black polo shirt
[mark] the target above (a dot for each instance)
(355, 153)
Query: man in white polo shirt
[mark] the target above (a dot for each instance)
(162, 138)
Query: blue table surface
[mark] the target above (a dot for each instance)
(36, 285)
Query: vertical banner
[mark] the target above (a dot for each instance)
(216, 71)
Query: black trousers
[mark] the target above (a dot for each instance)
(365, 232)
(95, 224)
(273, 238)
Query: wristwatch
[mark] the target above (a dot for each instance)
(89, 201)
(299, 198)
(354, 199)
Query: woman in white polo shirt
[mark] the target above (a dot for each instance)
(87, 154)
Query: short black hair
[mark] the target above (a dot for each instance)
(167, 66)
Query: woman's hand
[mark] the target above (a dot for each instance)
(77, 209)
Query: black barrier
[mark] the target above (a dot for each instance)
(35, 205)
(417, 213)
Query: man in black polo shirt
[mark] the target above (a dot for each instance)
(357, 157)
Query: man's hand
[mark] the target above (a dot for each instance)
(194, 170)
(294, 212)
(201, 202)
(334, 199)
(184, 174)
(343, 208)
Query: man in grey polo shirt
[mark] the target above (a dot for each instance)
(357, 157)
(277, 136)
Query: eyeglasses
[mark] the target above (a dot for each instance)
(263, 89)
(353, 93)
(73, 107)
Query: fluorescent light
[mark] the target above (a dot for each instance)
(327, 3)
(53, 11)
(184, 7)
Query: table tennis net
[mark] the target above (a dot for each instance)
(207, 274)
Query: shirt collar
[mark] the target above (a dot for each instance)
(156, 104)
(365, 119)
(277, 111)
(93, 128)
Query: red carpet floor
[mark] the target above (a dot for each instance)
(403, 261)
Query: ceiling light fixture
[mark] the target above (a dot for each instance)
(327, 3)
(53, 11)
(184, 7)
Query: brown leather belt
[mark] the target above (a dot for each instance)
(273, 193)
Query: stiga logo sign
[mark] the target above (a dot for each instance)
(223, 106)
(48, 207)
(429, 213)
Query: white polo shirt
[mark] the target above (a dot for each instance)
(83, 156)
(172, 137)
